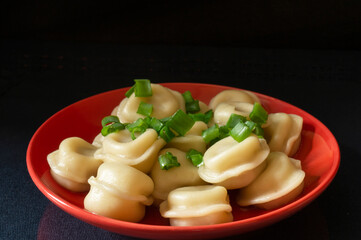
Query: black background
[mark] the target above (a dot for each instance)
(55, 53)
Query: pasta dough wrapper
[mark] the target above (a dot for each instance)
(232, 164)
(167, 180)
(165, 101)
(224, 110)
(233, 96)
(280, 183)
(119, 191)
(197, 205)
(73, 163)
(140, 153)
(283, 132)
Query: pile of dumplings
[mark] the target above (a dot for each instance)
(122, 176)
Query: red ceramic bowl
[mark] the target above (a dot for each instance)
(319, 153)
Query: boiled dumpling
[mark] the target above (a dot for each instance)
(280, 183)
(119, 191)
(197, 205)
(283, 132)
(224, 110)
(191, 140)
(164, 100)
(234, 164)
(233, 96)
(140, 153)
(167, 180)
(73, 163)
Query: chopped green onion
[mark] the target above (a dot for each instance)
(180, 122)
(234, 119)
(166, 134)
(156, 124)
(195, 157)
(258, 131)
(204, 117)
(210, 133)
(130, 92)
(145, 109)
(193, 107)
(114, 127)
(165, 120)
(223, 132)
(167, 161)
(251, 125)
(143, 88)
(139, 126)
(240, 132)
(187, 95)
(109, 119)
(258, 115)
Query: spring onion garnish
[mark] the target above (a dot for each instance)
(139, 126)
(180, 122)
(130, 92)
(204, 117)
(111, 124)
(142, 88)
(192, 106)
(156, 124)
(240, 132)
(166, 134)
(234, 119)
(258, 115)
(210, 133)
(251, 125)
(195, 157)
(145, 109)
(258, 130)
(167, 161)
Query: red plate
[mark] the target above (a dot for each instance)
(319, 153)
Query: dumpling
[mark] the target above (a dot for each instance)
(233, 96)
(197, 205)
(191, 140)
(73, 163)
(165, 102)
(234, 164)
(224, 110)
(119, 191)
(283, 132)
(167, 180)
(140, 153)
(280, 183)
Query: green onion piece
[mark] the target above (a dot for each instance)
(167, 161)
(130, 92)
(187, 95)
(234, 119)
(156, 124)
(180, 122)
(258, 131)
(240, 132)
(223, 132)
(110, 128)
(165, 120)
(145, 109)
(210, 133)
(251, 125)
(258, 115)
(208, 116)
(110, 119)
(139, 126)
(166, 134)
(195, 157)
(193, 107)
(204, 117)
(143, 88)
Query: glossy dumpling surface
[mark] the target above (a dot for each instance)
(233, 96)
(197, 205)
(140, 153)
(280, 182)
(73, 163)
(119, 191)
(224, 110)
(283, 132)
(232, 164)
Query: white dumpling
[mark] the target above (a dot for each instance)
(224, 110)
(197, 205)
(191, 140)
(280, 183)
(167, 180)
(73, 163)
(234, 164)
(140, 153)
(119, 191)
(283, 132)
(164, 100)
(233, 96)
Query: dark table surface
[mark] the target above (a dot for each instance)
(40, 78)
